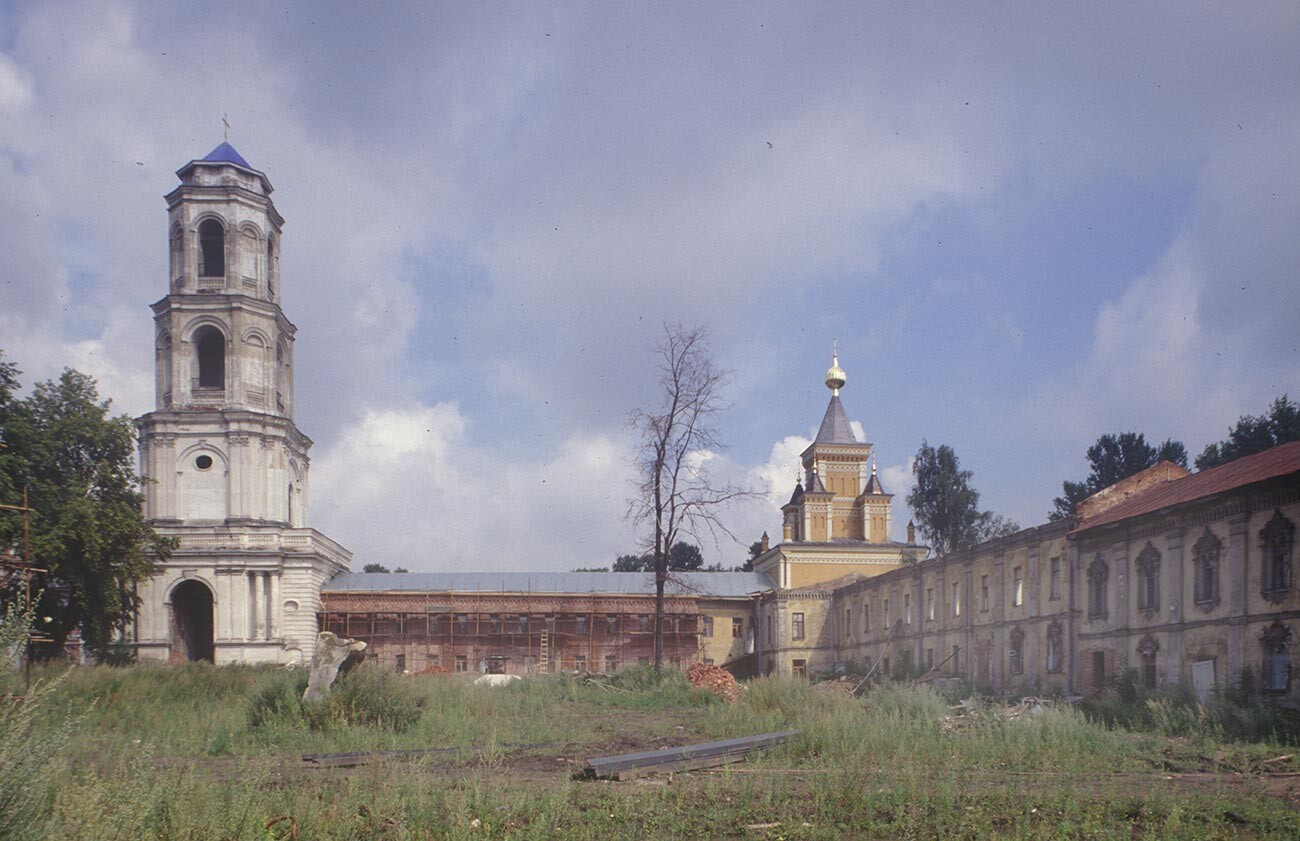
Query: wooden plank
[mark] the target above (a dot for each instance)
(704, 755)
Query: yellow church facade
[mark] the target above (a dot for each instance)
(839, 519)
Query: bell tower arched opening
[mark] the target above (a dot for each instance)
(192, 614)
(212, 249)
(211, 348)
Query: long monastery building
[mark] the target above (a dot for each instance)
(1186, 578)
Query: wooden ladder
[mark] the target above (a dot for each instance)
(544, 655)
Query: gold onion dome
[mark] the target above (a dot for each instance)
(835, 376)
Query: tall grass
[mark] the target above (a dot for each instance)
(178, 754)
(1233, 713)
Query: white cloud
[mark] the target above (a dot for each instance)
(411, 487)
(16, 88)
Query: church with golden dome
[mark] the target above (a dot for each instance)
(839, 518)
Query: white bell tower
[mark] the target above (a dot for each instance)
(227, 462)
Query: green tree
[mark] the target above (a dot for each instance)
(374, 567)
(946, 507)
(1280, 424)
(634, 563)
(1111, 459)
(88, 528)
(685, 556)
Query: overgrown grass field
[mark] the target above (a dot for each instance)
(198, 752)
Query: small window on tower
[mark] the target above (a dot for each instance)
(212, 249)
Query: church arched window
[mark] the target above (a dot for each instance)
(1098, 573)
(1277, 539)
(212, 249)
(211, 347)
(1205, 564)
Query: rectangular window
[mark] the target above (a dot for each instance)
(580, 662)
(611, 663)
(848, 622)
(929, 658)
(611, 622)
(799, 668)
(1098, 669)
(866, 618)
(462, 623)
(462, 663)
(929, 604)
(770, 624)
(550, 623)
(984, 593)
(1054, 589)
(580, 626)
(885, 618)
(956, 598)
(737, 627)
(708, 661)
(706, 626)
(796, 626)
(643, 624)
(496, 665)
(907, 608)
(1017, 587)
(400, 662)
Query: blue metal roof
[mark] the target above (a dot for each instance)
(225, 153)
(726, 584)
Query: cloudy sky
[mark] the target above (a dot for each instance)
(1027, 225)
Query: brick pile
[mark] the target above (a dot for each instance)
(715, 680)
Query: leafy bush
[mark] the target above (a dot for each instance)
(364, 697)
(1233, 713)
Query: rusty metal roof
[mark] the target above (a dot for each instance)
(1283, 460)
(715, 584)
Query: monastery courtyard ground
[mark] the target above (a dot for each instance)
(198, 752)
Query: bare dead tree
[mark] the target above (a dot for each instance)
(675, 494)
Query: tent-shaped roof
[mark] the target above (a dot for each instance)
(225, 153)
(835, 428)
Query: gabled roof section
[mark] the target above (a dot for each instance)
(225, 153)
(835, 428)
(1276, 463)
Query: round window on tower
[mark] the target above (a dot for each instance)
(203, 462)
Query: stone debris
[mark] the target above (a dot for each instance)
(969, 713)
(843, 685)
(718, 681)
(495, 680)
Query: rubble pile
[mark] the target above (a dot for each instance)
(843, 685)
(715, 680)
(432, 669)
